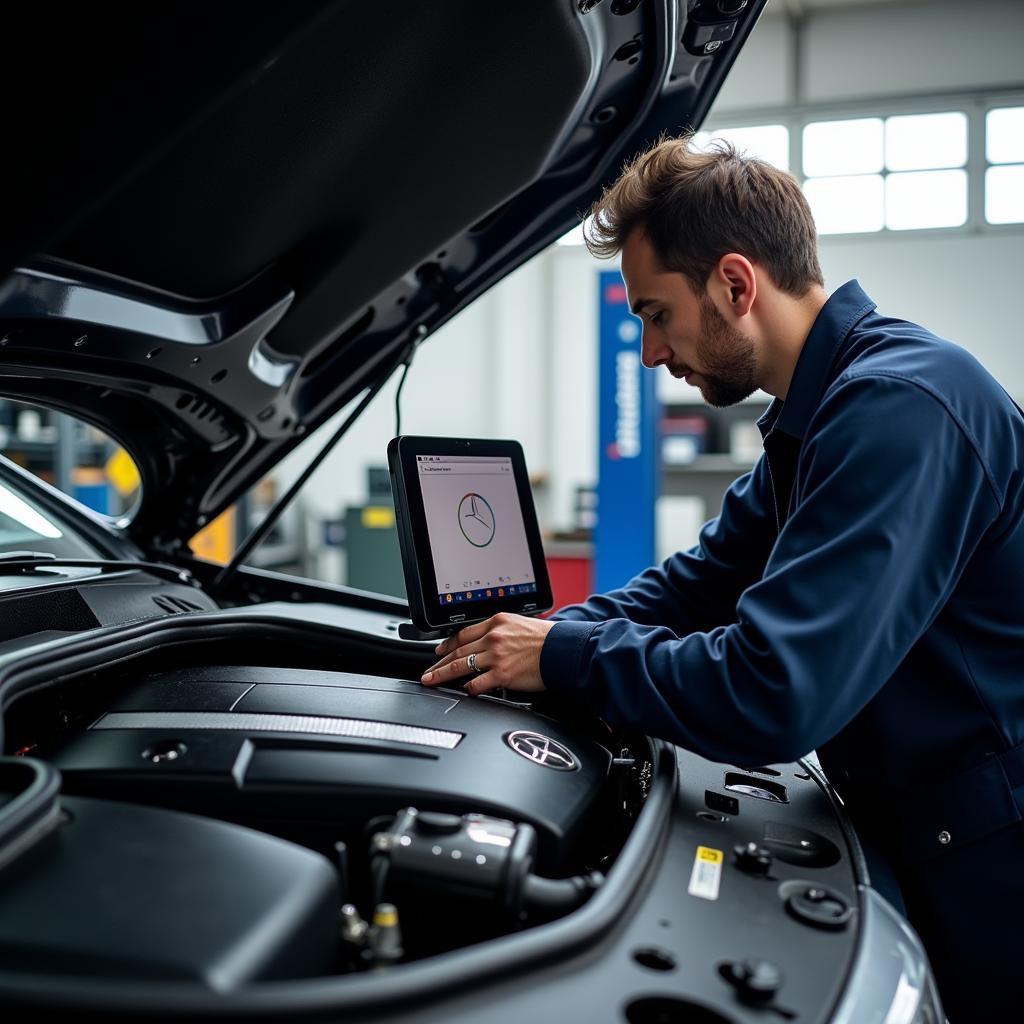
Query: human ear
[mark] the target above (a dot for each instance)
(737, 283)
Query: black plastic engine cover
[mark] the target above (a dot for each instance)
(269, 745)
(124, 891)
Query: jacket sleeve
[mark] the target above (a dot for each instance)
(697, 589)
(892, 500)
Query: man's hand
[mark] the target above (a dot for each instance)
(507, 649)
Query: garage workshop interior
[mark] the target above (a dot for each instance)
(428, 596)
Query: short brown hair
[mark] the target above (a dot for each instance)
(696, 207)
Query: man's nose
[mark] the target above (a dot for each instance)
(653, 351)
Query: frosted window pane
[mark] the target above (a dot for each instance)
(768, 142)
(843, 147)
(1004, 135)
(1004, 195)
(846, 204)
(926, 140)
(926, 199)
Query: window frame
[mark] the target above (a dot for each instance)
(975, 106)
(988, 165)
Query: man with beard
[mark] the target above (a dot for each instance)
(859, 593)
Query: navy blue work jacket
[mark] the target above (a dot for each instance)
(861, 594)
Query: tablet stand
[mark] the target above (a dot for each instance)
(410, 631)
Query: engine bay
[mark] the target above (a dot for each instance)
(420, 820)
(222, 804)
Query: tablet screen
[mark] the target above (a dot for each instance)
(468, 531)
(475, 525)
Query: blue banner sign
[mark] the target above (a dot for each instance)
(627, 463)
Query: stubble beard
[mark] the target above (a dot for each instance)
(728, 358)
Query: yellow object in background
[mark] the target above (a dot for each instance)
(378, 517)
(216, 542)
(123, 473)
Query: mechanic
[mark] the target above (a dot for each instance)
(861, 593)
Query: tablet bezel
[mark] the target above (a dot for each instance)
(417, 561)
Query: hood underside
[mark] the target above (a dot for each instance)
(221, 226)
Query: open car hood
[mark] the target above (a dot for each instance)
(221, 228)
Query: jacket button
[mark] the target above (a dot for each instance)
(945, 838)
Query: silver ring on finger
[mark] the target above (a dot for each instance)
(472, 665)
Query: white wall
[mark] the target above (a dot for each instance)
(572, 365)
(965, 288)
(898, 49)
(763, 73)
(877, 52)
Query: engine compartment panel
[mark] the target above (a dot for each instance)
(262, 745)
(122, 891)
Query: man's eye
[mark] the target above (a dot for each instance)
(658, 318)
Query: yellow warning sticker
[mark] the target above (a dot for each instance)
(707, 873)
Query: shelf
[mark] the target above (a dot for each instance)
(711, 464)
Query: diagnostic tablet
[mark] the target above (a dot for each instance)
(468, 530)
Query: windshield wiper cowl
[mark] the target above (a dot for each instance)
(13, 563)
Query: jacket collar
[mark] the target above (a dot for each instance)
(836, 319)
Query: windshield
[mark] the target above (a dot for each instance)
(25, 527)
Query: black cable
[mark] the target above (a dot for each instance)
(421, 333)
(398, 397)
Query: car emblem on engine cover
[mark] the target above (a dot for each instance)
(542, 750)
